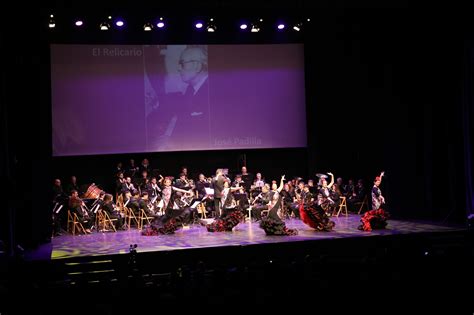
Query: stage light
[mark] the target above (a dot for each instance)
(161, 23)
(199, 25)
(147, 27)
(308, 20)
(104, 26)
(211, 27)
(79, 23)
(297, 27)
(256, 26)
(52, 23)
(281, 26)
(243, 26)
(119, 23)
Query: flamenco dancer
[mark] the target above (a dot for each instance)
(173, 218)
(377, 217)
(313, 214)
(272, 224)
(231, 213)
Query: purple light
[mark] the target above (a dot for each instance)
(119, 23)
(281, 26)
(78, 23)
(243, 26)
(198, 25)
(160, 24)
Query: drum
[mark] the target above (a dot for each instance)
(92, 192)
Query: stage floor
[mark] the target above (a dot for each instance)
(196, 236)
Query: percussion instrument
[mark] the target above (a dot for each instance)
(93, 192)
(322, 176)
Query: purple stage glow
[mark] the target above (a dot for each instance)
(110, 99)
(199, 25)
(160, 24)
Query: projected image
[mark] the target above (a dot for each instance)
(124, 99)
(179, 118)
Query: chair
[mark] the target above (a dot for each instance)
(143, 216)
(104, 221)
(73, 223)
(364, 202)
(129, 216)
(342, 205)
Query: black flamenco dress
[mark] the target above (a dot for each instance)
(374, 219)
(230, 218)
(172, 220)
(315, 217)
(273, 225)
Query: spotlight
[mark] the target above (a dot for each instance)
(211, 27)
(79, 23)
(147, 27)
(160, 24)
(104, 26)
(52, 23)
(199, 25)
(119, 23)
(281, 26)
(243, 26)
(256, 26)
(298, 27)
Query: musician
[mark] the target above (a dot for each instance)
(119, 168)
(112, 210)
(335, 194)
(182, 182)
(247, 178)
(142, 182)
(201, 186)
(312, 188)
(153, 189)
(259, 182)
(145, 166)
(218, 185)
(132, 169)
(240, 195)
(260, 202)
(73, 185)
(128, 185)
(77, 206)
(144, 203)
(288, 195)
(119, 182)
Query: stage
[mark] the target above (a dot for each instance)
(196, 236)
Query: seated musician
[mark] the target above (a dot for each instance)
(113, 212)
(134, 203)
(240, 195)
(77, 206)
(260, 202)
(144, 203)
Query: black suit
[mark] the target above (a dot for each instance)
(218, 185)
(185, 118)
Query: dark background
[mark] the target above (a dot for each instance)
(388, 87)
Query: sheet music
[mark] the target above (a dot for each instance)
(195, 204)
(209, 191)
